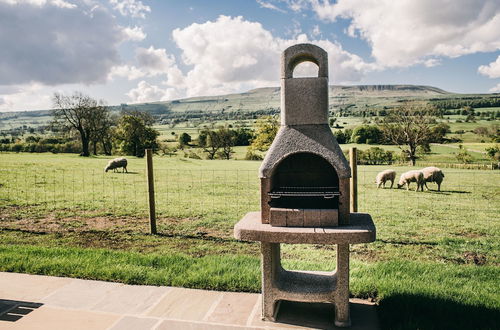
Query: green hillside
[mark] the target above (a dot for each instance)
(260, 101)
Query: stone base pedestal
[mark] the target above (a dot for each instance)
(305, 286)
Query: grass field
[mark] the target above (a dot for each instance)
(435, 263)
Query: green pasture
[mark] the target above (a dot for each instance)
(436, 257)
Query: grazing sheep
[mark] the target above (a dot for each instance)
(412, 176)
(116, 163)
(433, 174)
(384, 176)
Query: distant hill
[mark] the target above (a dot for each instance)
(267, 100)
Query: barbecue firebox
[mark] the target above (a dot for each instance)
(305, 176)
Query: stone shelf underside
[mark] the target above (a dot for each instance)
(360, 229)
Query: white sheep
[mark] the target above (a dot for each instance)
(116, 163)
(433, 174)
(412, 176)
(384, 176)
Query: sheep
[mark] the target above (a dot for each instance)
(116, 163)
(384, 176)
(412, 176)
(433, 174)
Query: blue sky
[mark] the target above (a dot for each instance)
(127, 51)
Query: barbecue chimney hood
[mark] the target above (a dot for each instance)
(304, 176)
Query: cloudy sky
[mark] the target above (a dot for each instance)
(126, 51)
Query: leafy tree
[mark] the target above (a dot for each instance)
(217, 142)
(133, 135)
(438, 133)
(101, 130)
(493, 152)
(167, 150)
(209, 140)
(266, 130)
(463, 155)
(184, 140)
(343, 136)
(408, 126)
(375, 156)
(367, 134)
(243, 136)
(227, 138)
(82, 113)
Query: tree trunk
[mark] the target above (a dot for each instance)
(107, 151)
(85, 146)
(94, 144)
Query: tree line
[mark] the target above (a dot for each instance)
(99, 130)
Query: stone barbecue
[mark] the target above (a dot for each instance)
(305, 195)
(304, 176)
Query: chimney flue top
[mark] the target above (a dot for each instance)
(304, 101)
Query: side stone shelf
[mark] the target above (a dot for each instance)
(360, 229)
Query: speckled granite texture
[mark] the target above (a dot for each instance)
(315, 139)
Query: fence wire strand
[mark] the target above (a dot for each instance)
(229, 194)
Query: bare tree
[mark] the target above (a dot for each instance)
(81, 113)
(408, 126)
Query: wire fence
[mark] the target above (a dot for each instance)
(229, 194)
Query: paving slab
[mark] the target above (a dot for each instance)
(80, 294)
(52, 318)
(234, 308)
(58, 303)
(186, 304)
(135, 323)
(185, 325)
(130, 299)
(23, 287)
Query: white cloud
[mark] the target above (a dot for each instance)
(154, 61)
(491, 70)
(406, 32)
(131, 8)
(297, 5)
(40, 3)
(49, 43)
(230, 54)
(146, 92)
(135, 34)
(268, 5)
(316, 32)
(126, 71)
(432, 62)
(495, 89)
(31, 96)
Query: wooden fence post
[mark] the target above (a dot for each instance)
(151, 192)
(354, 179)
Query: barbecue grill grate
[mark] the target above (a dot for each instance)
(325, 192)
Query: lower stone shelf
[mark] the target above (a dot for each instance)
(360, 229)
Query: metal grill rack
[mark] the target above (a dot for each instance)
(325, 192)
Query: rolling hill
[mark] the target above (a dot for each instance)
(263, 100)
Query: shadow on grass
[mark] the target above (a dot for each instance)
(447, 192)
(405, 311)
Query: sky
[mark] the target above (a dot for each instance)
(131, 51)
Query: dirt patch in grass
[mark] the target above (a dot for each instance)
(123, 233)
(474, 258)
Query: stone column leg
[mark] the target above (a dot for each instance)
(342, 318)
(270, 269)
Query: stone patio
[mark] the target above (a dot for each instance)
(45, 302)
